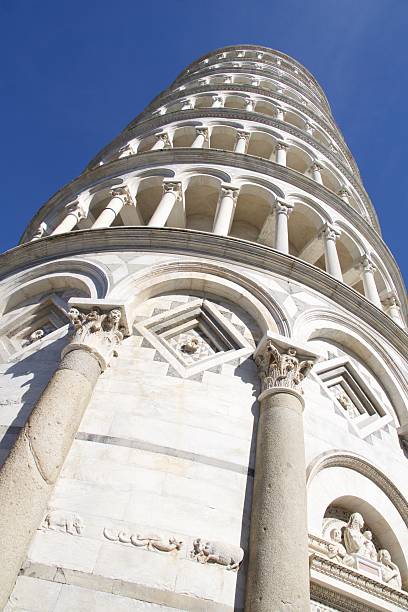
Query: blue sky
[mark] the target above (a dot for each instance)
(73, 74)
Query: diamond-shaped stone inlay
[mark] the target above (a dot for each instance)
(353, 397)
(195, 336)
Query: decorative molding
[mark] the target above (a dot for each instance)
(363, 467)
(362, 582)
(259, 256)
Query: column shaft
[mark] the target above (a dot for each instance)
(369, 284)
(332, 262)
(163, 210)
(281, 152)
(281, 231)
(35, 461)
(68, 223)
(225, 212)
(278, 574)
(202, 135)
(109, 214)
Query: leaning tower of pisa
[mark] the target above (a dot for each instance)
(204, 383)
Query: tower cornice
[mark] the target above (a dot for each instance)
(207, 245)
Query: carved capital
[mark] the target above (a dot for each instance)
(227, 80)
(202, 131)
(344, 193)
(329, 232)
(99, 333)
(283, 208)
(40, 231)
(164, 137)
(367, 264)
(316, 167)
(218, 99)
(243, 135)
(229, 191)
(173, 187)
(123, 193)
(281, 145)
(75, 208)
(280, 367)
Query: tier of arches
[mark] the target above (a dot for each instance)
(206, 200)
(274, 65)
(258, 141)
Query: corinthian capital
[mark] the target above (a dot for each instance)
(99, 333)
(229, 191)
(367, 264)
(77, 209)
(173, 187)
(282, 367)
(330, 232)
(123, 193)
(283, 208)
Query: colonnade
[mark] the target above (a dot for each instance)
(172, 192)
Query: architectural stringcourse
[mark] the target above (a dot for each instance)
(204, 381)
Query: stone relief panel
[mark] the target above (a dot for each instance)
(64, 521)
(149, 542)
(221, 553)
(352, 543)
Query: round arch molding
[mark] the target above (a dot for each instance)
(364, 488)
(207, 278)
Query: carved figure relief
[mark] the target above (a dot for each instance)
(65, 521)
(190, 346)
(280, 369)
(351, 546)
(338, 552)
(150, 542)
(390, 573)
(222, 553)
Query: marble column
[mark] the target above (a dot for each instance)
(329, 235)
(280, 114)
(281, 153)
(370, 288)
(282, 212)
(226, 209)
(344, 195)
(278, 569)
(162, 142)
(171, 193)
(218, 102)
(255, 82)
(392, 308)
(309, 129)
(201, 138)
(31, 470)
(75, 213)
(120, 198)
(250, 104)
(316, 170)
(242, 141)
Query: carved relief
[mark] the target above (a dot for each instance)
(390, 573)
(353, 546)
(64, 521)
(221, 553)
(282, 369)
(150, 542)
(190, 346)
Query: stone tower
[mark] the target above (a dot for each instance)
(204, 378)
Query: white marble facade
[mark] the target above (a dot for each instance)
(203, 252)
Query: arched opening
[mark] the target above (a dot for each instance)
(254, 205)
(201, 198)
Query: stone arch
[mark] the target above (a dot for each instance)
(207, 278)
(254, 204)
(325, 324)
(348, 480)
(88, 277)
